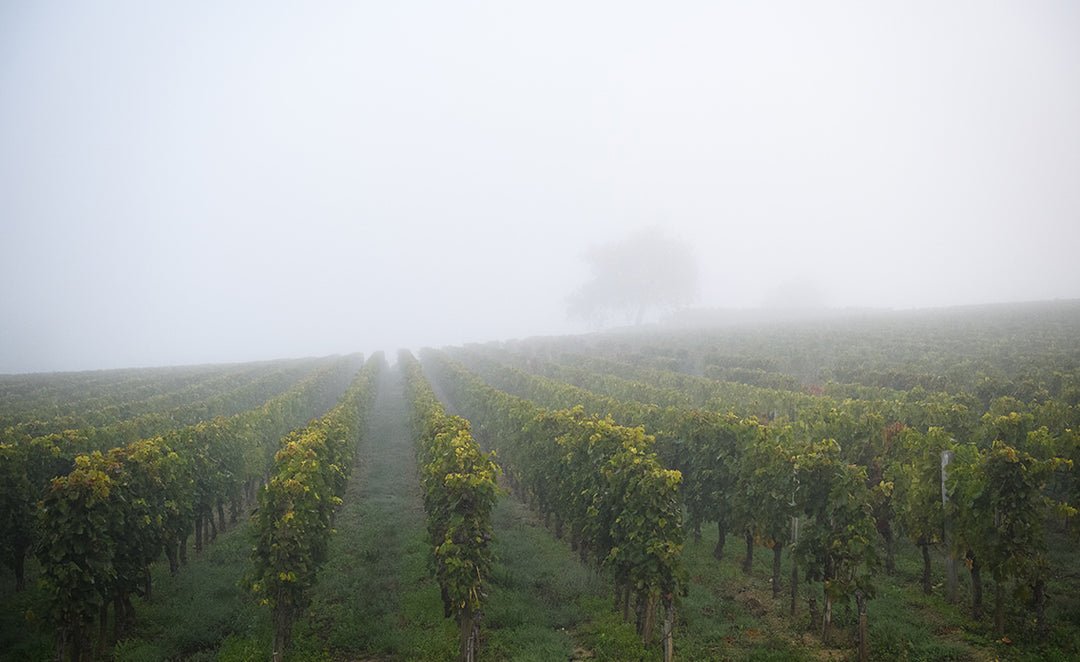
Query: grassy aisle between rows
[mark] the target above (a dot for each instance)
(376, 598)
(201, 613)
(193, 616)
(545, 604)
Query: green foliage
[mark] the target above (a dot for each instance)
(102, 524)
(81, 522)
(901, 465)
(768, 487)
(106, 520)
(187, 471)
(710, 456)
(291, 526)
(917, 481)
(838, 544)
(603, 480)
(460, 491)
(1001, 511)
(293, 518)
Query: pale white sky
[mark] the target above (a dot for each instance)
(197, 182)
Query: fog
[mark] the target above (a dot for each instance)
(202, 182)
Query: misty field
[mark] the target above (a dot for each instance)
(876, 486)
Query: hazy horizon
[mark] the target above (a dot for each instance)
(201, 183)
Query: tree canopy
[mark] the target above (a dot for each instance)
(644, 272)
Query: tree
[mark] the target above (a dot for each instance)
(644, 272)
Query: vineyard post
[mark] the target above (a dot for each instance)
(794, 565)
(794, 542)
(951, 580)
(469, 624)
(864, 646)
(669, 626)
(748, 561)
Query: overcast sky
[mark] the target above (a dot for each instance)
(205, 181)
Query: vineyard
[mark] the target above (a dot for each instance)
(873, 486)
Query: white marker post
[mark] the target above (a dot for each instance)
(951, 580)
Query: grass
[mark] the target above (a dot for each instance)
(190, 617)
(727, 615)
(376, 601)
(900, 629)
(539, 592)
(25, 632)
(375, 598)
(201, 610)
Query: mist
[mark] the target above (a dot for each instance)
(202, 183)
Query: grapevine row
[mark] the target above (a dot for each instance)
(199, 401)
(602, 480)
(105, 520)
(291, 525)
(758, 479)
(460, 491)
(46, 396)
